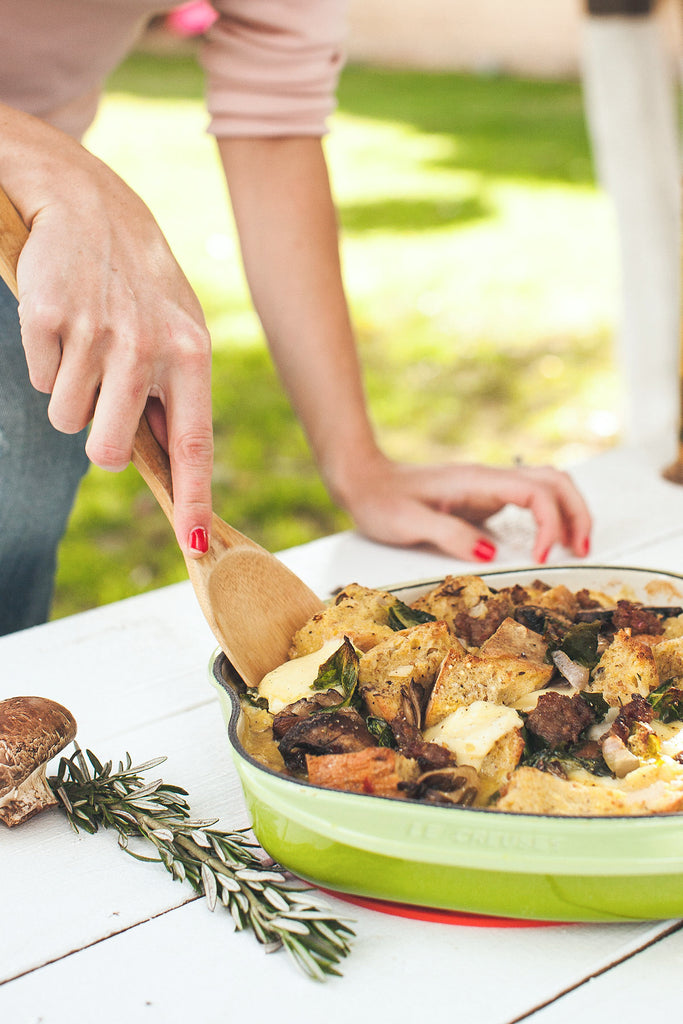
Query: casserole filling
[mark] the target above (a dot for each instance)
(534, 699)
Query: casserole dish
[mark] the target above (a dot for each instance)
(473, 860)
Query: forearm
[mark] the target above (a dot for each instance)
(287, 225)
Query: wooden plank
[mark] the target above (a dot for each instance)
(116, 666)
(62, 891)
(189, 965)
(630, 992)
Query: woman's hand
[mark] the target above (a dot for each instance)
(445, 506)
(110, 324)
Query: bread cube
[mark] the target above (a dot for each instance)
(375, 770)
(668, 655)
(626, 667)
(465, 678)
(413, 654)
(644, 791)
(471, 610)
(360, 613)
(513, 639)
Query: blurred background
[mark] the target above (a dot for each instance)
(480, 260)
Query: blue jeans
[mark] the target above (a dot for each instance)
(40, 470)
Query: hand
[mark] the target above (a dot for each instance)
(110, 326)
(445, 505)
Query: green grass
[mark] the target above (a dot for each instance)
(480, 265)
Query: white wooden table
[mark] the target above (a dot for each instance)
(89, 934)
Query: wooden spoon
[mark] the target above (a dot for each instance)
(252, 602)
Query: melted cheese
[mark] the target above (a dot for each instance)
(471, 731)
(670, 735)
(294, 680)
(528, 701)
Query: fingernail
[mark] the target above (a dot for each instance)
(484, 550)
(544, 557)
(586, 546)
(199, 540)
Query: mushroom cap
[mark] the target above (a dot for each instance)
(32, 731)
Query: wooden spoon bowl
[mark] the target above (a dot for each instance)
(252, 601)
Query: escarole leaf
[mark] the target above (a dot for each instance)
(340, 672)
(667, 702)
(596, 702)
(560, 762)
(402, 616)
(580, 644)
(251, 696)
(379, 728)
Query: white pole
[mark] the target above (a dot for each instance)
(631, 106)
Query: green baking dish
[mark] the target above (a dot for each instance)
(473, 860)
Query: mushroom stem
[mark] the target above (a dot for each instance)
(28, 798)
(32, 731)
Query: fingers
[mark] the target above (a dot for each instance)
(190, 450)
(450, 534)
(408, 521)
(560, 511)
(179, 413)
(95, 375)
(445, 506)
(40, 335)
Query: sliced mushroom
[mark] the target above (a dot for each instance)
(334, 732)
(32, 731)
(302, 709)
(552, 623)
(457, 784)
(410, 741)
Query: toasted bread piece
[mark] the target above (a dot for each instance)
(498, 765)
(464, 678)
(627, 667)
(376, 770)
(531, 791)
(514, 640)
(673, 627)
(471, 610)
(668, 655)
(413, 654)
(559, 599)
(360, 613)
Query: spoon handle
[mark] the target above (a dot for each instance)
(13, 235)
(151, 462)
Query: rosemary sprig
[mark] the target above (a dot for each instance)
(223, 866)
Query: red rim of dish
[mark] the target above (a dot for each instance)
(438, 916)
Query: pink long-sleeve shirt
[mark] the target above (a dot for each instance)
(271, 65)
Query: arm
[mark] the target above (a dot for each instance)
(109, 323)
(287, 225)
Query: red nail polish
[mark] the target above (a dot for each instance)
(199, 540)
(544, 557)
(586, 546)
(484, 550)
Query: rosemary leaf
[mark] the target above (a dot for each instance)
(210, 886)
(257, 893)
